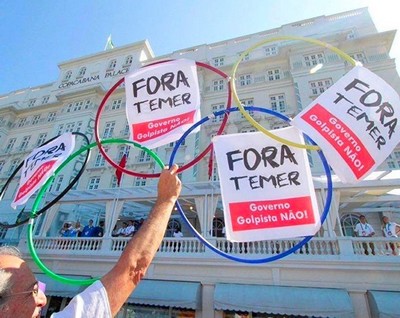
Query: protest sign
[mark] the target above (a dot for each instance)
(354, 123)
(267, 189)
(162, 102)
(40, 164)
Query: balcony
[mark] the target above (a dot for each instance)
(340, 248)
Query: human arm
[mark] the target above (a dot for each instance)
(138, 254)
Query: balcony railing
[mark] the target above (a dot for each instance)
(324, 247)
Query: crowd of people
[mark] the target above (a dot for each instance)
(68, 230)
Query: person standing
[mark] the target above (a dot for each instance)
(178, 235)
(390, 229)
(363, 229)
(88, 230)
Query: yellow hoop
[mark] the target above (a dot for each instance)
(342, 54)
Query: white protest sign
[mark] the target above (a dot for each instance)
(354, 122)
(40, 164)
(162, 102)
(266, 186)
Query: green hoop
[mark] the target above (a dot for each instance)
(342, 54)
(40, 195)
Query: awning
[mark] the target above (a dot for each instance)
(167, 293)
(318, 302)
(384, 304)
(55, 288)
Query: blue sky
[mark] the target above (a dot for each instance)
(37, 35)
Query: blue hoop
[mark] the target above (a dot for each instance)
(271, 258)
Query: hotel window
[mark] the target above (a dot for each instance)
(318, 87)
(35, 119)
(116, 104)
(2, 165)
(348, 223)
(22, 122)
(123, 150)
(247, 102)
(113, 183)
(45, 99)
(271, 50)
(78, 106)
(274, 75)
(128, 60)
(109, 129)
(144, 156)
(78, 126)
(314, 59)
(248, 129)
(24, 143)
(11, 144)
(396, 154)
(82, 72)
(359, 56)
(218, 85)
(67, 76)
(13, 166)
(60, 129)
(51, 116)
(278, 103)
(245, 80)
(100, 160)
(41, 139)
(112, 64)
(215, 108)
(58, 182)
(246, 57)
(139, 182)
(125, 132)
(218, 61)
(391, 165)
(32, 102)
(69, 127)
(87, 104)
(94, 183)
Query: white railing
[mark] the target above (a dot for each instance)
(318, 246)
(376, 246)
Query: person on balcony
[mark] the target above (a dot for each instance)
(21, 297)
(130, 230)
(88, 230)
(363, 229)
(178, 236)
(390, 229)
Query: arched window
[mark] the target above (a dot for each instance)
(112, 64)
(128, 60)
(67, 75)
(348, 223)
(172, 226)
(218, 225)
(82, 72)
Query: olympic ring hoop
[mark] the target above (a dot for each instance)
(342, 54)
(58, 197)
(39, 197)
(184, 167)
(259, 260)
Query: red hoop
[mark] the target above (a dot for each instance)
(184, 167)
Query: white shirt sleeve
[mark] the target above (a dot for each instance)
(91, 303)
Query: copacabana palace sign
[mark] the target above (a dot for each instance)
(94, 78)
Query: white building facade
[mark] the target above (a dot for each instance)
(330, 276)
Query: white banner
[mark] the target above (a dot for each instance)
(162, 102)
(40, 164)
(354, 122)
(266, 186)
